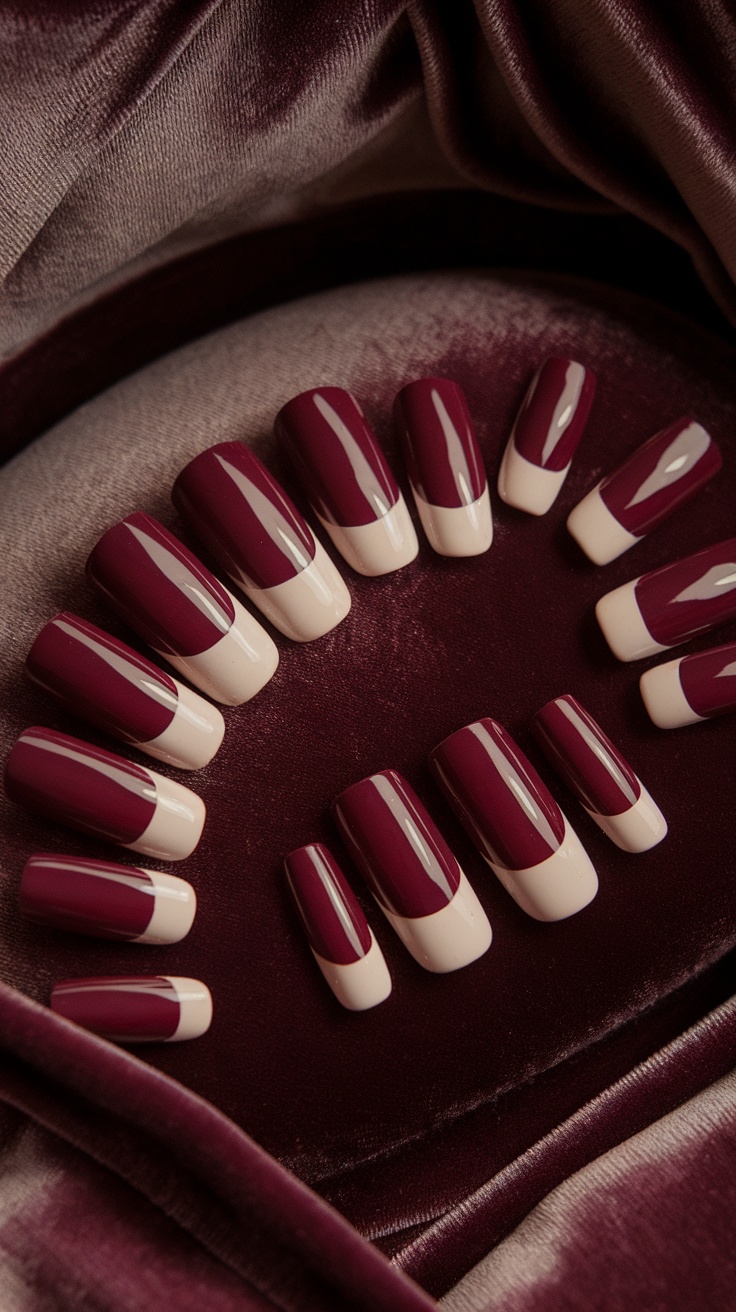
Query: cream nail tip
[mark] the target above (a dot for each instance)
(174, 909)
(176, 825)
(635, 830)
(450, 938)
(622, 624)
(308, 605)
(194, 735)
(556, 888)
(386, 545)
(236, 668)
(662, 694)
(597, 531)
(195, 1008)
(527, 486)
(457, 530)
(361, 984)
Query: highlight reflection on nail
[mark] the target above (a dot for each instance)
(339, 935)
(167, 596)
(599, 776)
(87, 788)
(411, 872)
(692, 688)
(105, 682)
(546, 435)
(658, 478)
(347, 480)
(136, 1008)
(255, 532)
(445, 466)
(514, 821)
(106, 900)
(672, 604)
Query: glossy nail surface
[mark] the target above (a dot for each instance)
(692, 688)
(106, 900)
(136, 1008)
(92, 790)
(656, 479)
(247, 522)
(411, 872)
(445, 466)
(339, 934)
(514, 821)
(546, 434)
(672, 604)
(105, 682)
(599, 776)
(167, 596)
(347, 480)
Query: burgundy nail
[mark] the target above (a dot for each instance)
(105, 900)
(598, 775)
(76, 784)
(347, 480)
(672, 604)
(247, 522)
(546, 434)
(107, 683)
(167, 596)
(692, 688)
(657, 478)
(514, 821)
(411, 872)
(136, 1008)
(445, 466)
(339, 935)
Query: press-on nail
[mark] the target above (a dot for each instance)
(247, 522)
(347, 480)
(445, 466)
(546, 434)
(87, 788)
(136, 1008)
(692, 688)
(167, 596)
(105, 900)
(599, 776)
(339, 935)
(411, 872)
(672, 604)
(659, 477)
(514, 821)
(105, 682)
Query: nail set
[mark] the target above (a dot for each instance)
(258, 537)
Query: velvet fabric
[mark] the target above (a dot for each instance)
(400, 1116)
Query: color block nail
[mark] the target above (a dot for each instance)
(656, 480)
(92, 790)
(411, 872)
(136, 1008)
(339, 935)
(247, 522)
(347, 480)
(167, 596)
(691, 689)
(599, 776)
(445, 466)
(546, 434)
(105, 682)
(105, 900)
(672, 604)
(514, 821)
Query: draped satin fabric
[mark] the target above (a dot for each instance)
(167, 168)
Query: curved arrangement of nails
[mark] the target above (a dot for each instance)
(259, 538)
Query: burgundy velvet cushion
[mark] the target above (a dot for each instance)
(401, 1113)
